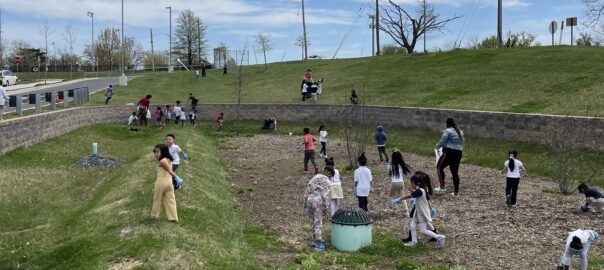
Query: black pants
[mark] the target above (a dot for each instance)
(309, 155)
(323, 148)
(363, 203)
(511, 188)
(107, 101)
(382, 150)
(451, 158)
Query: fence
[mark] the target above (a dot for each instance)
(21, 101)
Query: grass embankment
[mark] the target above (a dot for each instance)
(57, 217)
(551, 80)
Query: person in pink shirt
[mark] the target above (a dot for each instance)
(309, 150)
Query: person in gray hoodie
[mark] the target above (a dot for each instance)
(380, 141)
(451, 141)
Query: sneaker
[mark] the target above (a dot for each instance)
(406, 240)
(176, 187)
(508, 200)
(410, 244)
(321, 155)
(453, 194)
(439, 190)
(318, 249)
(440, 242)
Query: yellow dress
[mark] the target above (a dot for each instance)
(164, 192)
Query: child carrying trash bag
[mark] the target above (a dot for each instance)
(577, 244)
(316, 203)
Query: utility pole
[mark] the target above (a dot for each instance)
(499, 24)
(372, 25)
(377, 27)
(199, 42)
(92, 47)
(170, 51)
(304, 29)
(54, 55)
(425, 32)
(1, 47)
(123, 79)
(152, 54)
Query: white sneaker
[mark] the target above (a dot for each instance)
(440, 242)
(440, 190)
(410, 244)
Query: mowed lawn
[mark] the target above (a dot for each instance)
(58, 217)
(551, 80)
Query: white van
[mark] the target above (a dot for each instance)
(8, 78)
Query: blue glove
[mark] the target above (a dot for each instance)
(179, 180)
(411, 202)
(433, 213)
(596, 235)
(185, 157)
(305, 208)
(395, 202)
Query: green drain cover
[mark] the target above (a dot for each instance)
(351, 215)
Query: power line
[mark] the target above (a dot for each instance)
(358, 16)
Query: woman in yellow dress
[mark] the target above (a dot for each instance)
(164, 190)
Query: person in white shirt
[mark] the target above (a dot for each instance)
(177, 111)
(174, 152)
(397, 186)
(3, 100)
(133, 120)
(577, 244)
(362, 182)
(336, 192)
(323, 141)
(514, 168)
(183, 118)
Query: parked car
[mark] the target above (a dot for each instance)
(8, 78)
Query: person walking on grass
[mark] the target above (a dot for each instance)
(183, 118)
(577, 244)
(168, 113)
(158, 114)
(309, 150)
(594, 200)
(316, 202)
(451, 141)
(3, 100)
(422, 216)
(164, 190)
(396, 170)
(143, 109)
(192, 117)
(108, 93)
(175, 152)
(514, 168)
(219, 120)
(380, 141)
(336, 192)
(428, 184)
(362, 182)
(323, 141)
(177, 112)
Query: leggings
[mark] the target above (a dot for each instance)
(382, 150)
(423, 228)
(451, 158)
(323, 148)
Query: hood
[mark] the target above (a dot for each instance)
(380, 129)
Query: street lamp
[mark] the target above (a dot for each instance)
(123, 78)
(170, 51)
(54, 55)
(92, 47)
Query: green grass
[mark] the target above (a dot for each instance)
(57, 217)
(551, 80)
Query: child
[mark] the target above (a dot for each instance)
(577, 244)
(354, 99)
(108, 93)
(309, 150)
(183, 118)
(380, 141)
(315, 202)
(362, 182)
(168, 114)
(192, 117)
(133, 120)
(396, 170)
(177, 112)
(158, 115)
(514, 167)
(422, 214)
(593, 198)
(336, 192)
(163, 191)
(428, 185)
(219, 119)
(174, 153)
(323, 141)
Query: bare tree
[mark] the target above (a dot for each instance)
(354, 129)
(45, 30)
(473, 42)
(135, 54)
(2, 42)
(594, 10)
(406, 29)
(70, 36)
(300, 42)
(159, 58)
(189, 38)
(106, 48)
(264, 45)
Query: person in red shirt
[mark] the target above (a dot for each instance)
(143, 107)
(219, 119)
(308, 75)
(309, 150)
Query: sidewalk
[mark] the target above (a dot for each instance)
(31, 87)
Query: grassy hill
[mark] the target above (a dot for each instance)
(552, 80)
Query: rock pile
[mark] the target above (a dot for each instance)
(98, 161)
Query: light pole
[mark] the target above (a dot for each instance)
(54, 55)
(123, 78)
(92, 47)
(170, 36)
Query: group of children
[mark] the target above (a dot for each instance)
(178, 114)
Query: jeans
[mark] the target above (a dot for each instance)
(511, 188)
(309, 155)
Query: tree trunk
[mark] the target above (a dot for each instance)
(264, 52)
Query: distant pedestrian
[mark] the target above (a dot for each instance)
(3, 100)
(577, 244)
(108, 93)
(164, 190)
(192, 117)
(362, 182)
(203, 69)
(183, 118)
(308, 75)
(323, 141)
(309, 150)
(158, 116)
(168, 114)
(193, 101)
(380, 141)
(177, 112)
(336, 192)
(219, 120)
(451, 141)
(514, 168)
(224, 70)
(594, 200)
(143, 108)
(354, 99)
(316, 202)
(133, 120)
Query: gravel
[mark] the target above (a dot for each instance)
(98, 161)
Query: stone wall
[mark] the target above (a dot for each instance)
(531, 128)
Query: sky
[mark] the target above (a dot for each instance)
(331, 24)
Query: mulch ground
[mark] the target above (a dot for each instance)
(482, 232)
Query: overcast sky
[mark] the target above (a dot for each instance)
(329, 22)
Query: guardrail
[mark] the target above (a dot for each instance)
(78, 97)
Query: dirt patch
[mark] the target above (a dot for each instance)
(125, 264)
(482, 232)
